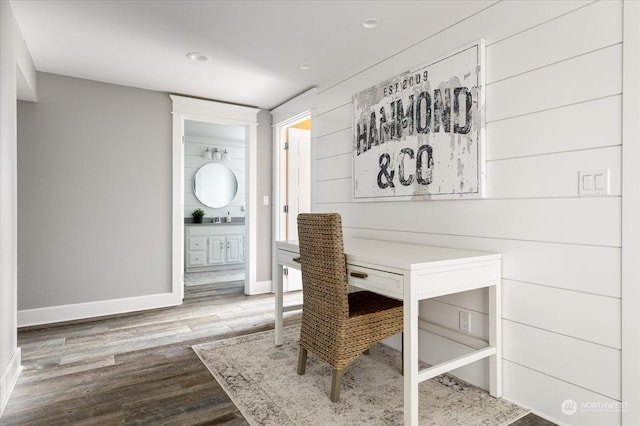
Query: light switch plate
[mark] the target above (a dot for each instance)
(593, 182)
(465, 322)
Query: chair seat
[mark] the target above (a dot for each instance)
(366, 303)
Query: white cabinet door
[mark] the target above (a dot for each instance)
(235, 248)
(216, 250)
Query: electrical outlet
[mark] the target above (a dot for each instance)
(465, 322)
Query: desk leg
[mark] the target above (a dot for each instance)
(410, 307)
(495, 340)
(279, 304)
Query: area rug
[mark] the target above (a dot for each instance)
(202, 278)
(261, 380)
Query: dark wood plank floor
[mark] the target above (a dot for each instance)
(136, 368)
(532, 420)
(139, 369)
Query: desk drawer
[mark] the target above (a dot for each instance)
(286, 259)
(377, 281)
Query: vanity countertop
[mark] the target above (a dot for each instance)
(209, 222)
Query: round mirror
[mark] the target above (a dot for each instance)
(215, 185)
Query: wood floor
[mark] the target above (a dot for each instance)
(139, 369)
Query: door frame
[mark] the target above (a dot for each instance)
(281, 190)
(278, 181)
(185, 108)
(293, 111)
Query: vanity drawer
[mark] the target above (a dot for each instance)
(197, 258)
(377, 281)
(197, 243)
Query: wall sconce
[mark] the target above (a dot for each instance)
(215, 154)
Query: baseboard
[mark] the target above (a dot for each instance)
(260, 287)
(54, 314)
(9, 378)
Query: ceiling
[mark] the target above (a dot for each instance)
(256, 46)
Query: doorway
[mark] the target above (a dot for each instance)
(215, 177)
(293, 189)
(189, 109)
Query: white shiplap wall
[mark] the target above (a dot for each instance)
(553, 107)
(193, 148)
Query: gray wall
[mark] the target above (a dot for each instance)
(94, 193)
(263, 243)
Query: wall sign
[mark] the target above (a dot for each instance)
(420, 135)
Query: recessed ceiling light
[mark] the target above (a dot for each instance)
(304, 67)
(370, 23)
(198, 57)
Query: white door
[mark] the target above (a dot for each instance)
(299, 178)
(297, 199)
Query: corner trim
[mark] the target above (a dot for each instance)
(9, 379)
(53, 314)
(630, 343)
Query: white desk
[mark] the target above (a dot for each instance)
(411, 272)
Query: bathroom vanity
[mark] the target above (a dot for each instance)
(218, 242)
(213, 246)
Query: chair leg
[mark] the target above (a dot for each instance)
(302, 360)
(336, 379)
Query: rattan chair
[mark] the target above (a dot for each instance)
(337, 326)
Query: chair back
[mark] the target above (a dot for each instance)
(324, 269)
